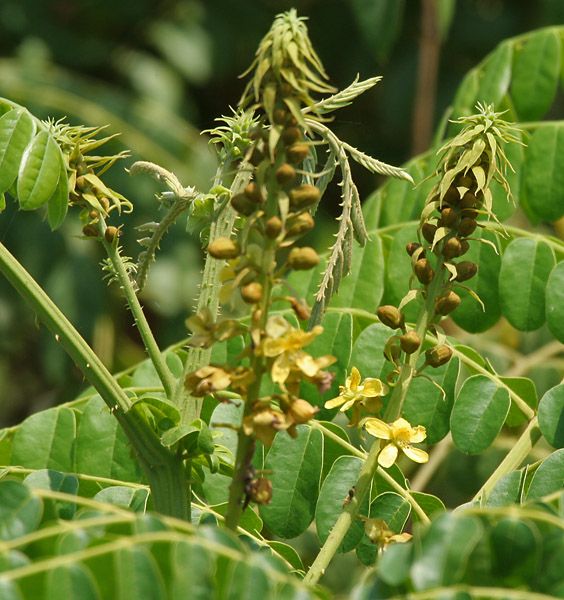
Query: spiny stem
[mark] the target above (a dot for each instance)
(164, 373)
(513, 459)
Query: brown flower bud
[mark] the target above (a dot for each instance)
(252, 293)
(279, 116)
(451, 196)
(469, 200)
(465, 181)
(304, 195)
(105, 203)
(428, 231)
(90, 231)
(224, 248)
(465, 270)
(257, 156)
(446, 303)
(301, 411)
(467, 226)
(290, 135)
(452, 248)
(423, 271)
(390, 316)
(273, 227)
(260, 490)
(411, 247)
(242, 204)
(285, 174)
(449, 217)
(464, 247)
(111, 234)
(300, 308)
(82, 183)
(93, 214)
(297, 152)
(438, 356)
(301, 259)
(300, 224)
(253, 193)
(410, 342)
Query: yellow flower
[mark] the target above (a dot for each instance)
(353, 391)
(378, 533)
(401, 435)
(286, 343)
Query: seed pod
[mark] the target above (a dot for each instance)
(279, 116)
(411, 247)
(252, 293)
(390, 316)
(410, 342)
(467, 226)
(300, 224)
(304, 195)
(449, 217)
(428, 231)
(438, 356)
(297, 152)
(446, 303)
(301, 259)
(423, 271)
(90, 231)
(452, 248)
(291, 135)
(285, 174)
(224, 248)
(273, 227)
(242, 204)
(111, 234)
(465, 270)
(253, 193)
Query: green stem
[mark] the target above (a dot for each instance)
(163, 469)
(190, 406)
(513, 459)
(164, 373)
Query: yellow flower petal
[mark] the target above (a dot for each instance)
(276, 326)
(400, 538)
(307, 364)
(348, 404)
(415, 454)
(401, 424)
(377, 428)
(418, 434)
(372, 388)
(388, 456)
(280, 369)
(353, 379)
(334, 402)
(273, 347)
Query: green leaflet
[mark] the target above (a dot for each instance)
(536, 72)
(549, 477)
(543, 174)
(71, 581)
(555, 302)
(20, 511)
(296, 469)
(16, 130)
(39, 171)
(551, 416)
(45, 440)
(507, 490)
(367, 352)
(515, 545)
(334, 492)
(526, 389)
(525, 268)
(496, 75)
(478, 414)
(469, 315)
(58, 203)
(331, 449)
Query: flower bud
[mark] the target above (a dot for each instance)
(300, 224)
(273, 227)
(90, 231)
(465, 270)
(467, 226)
(465, 181)
(469, 200)
(252, 292)
(301, 411)
(257, 156)
(464, 247)
(242, 204)
(111, 234)
(423, 271)
(410, 342)
(411, 247)
(438, 356)
(304, 195)
(260, 490)
(290, 135)
(285, 174)
(301, 259)
(451, 196)
(452, 248)
(279, 116)
(449, 217)
(224, 248)
(390, 316)
(446, 303)
(428, 231)
(301, 309)
(82, 183)
(253, 193)
(297, 152)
